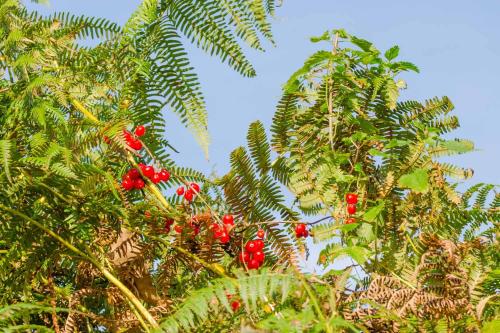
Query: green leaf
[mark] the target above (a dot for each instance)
(363, 44)
(324, 37)
(391, 93)
(358, 253)
(459, 146)
(417, 181)
(372, 214)
(5, 156)
(392, 53)
(491, 326)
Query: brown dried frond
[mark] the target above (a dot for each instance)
(442, 289)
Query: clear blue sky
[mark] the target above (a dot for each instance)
(456, 45)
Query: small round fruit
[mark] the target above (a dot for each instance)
(167, 229)
(235, 305)
(164, 175)
(147, 214)
(178, 229)
(156, 178)
(350, 220)
(298, 234)
(195, 187)
(148, 171)
(214, 227)
(134, 173)
(261, 233)
(259, 244)
(305, 234)
(300, 228)
(107, 140)
(169, 222)
(228, 219)
(135, 144)
(128, 184)
(259, 256)
(127, 135)
(351, 198)
(250, 246)
(189, 195)
(244, 256)
(253, 264)
(140, 130)
(180, 191)
(218, 233)
(224, 238)
(139, 183)
(127, 177)
(351, 209)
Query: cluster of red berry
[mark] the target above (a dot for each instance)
(222, 233)
(190, 192)
(134, 180)
(253, 255)
(132, 141)
(301, 230)
(352, 200)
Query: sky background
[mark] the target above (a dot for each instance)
(456, 45)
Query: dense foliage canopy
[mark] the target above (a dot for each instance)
(88, 245)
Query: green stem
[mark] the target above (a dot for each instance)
(109, 276)
(314, 301)
(217, 269)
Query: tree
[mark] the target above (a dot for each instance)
(86, 239)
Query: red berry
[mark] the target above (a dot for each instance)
(134, 173)
(196, 230)
(147, 214)
(128, 184)
(180, 191)
(250, 247)
(259, 256)
(140, 130)
(228, 219)
(107, 140)
(214, 227)
(253, 264)
(139, 183)
(351, 198)
(350, 220)
(164, 175)
(235, 305)
(178, 229)
(244, 256)
(224, 238)
(261, 233)
(189, 195)
(127, 135)
(169, 222)
(300, 228)
(305, 234)
(195, 187)
(127, 177)
(156, 178)
(351, 209)
(135, 144)
(298, 234)
(148, 171)
(259, 244)
(167, 229)
(218, 233)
